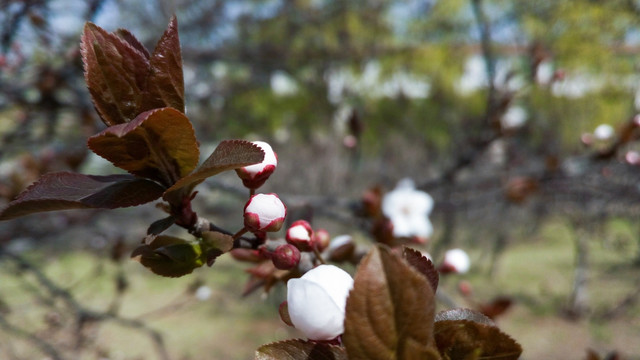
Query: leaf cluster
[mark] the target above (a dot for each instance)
(140, 97)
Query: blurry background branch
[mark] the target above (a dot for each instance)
(488, 105)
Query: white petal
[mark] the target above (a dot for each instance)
(269, 158)
(335, 281)
(267, 206)
(313, 311)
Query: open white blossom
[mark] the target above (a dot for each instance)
(408, 209)
(514, 118)
(317, 301)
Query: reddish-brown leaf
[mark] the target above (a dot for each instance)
(165, 85)
(127, 36)
(64, 190)
(300, 350)
(115, 72)
(158, 144)
(467, 339)
(390, 311)
(229, 155)
(423, 265)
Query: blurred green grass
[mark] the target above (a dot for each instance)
(537, 274)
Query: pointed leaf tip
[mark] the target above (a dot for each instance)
(423, 265)
(115, 73)
(165, 85)
(390, 311)
(228, 155)
(159, 144)
(65, 190)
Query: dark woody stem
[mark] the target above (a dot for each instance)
(237, 235)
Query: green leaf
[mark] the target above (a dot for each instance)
(159, 144)
(165, 85)
(229, 155)
(65, 190)
(169, 256)
(161, 225)
(471, 340)
(116, 74)
(215, 244)
(423, 265)
(390, 311)
(300, 350)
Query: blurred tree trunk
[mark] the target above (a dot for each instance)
(579, 298)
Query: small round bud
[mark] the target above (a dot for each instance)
(264, 212)
(321, 239)
(286, 257)
(341, 248)
(254, 176)
(300, 235)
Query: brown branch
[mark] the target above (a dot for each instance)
(82, 314)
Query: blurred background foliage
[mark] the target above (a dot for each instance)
(484, 103)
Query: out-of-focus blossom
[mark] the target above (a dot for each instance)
(264, 212)
(321, 238)
(632, 157)
(316, 302)
(300, 235)
(254, 176)
(203, 293)
(341, 248)
(408, 209)
(456, 260)
(514, 118)
(604, 132)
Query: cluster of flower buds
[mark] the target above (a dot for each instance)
(263, 212)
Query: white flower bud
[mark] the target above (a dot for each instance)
(253, 176)
(317, 301)
(300, 235)
(264, 212)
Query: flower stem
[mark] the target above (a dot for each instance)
(237, 235)
(316, 252)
